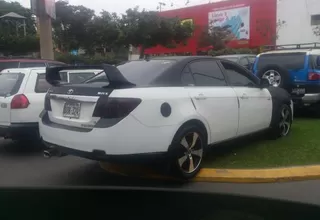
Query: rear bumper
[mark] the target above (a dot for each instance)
(18, 129)
(100, 155)
(127, 137)
(307, 99)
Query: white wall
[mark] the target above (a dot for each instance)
(297, 14)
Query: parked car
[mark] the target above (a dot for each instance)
(296, 70)
(22, 93)
(245, 60)
(172, 107)
(27, 63)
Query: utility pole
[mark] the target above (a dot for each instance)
(160, 5)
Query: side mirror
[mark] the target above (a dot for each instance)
(264, 83)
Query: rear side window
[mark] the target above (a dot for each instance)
(8, 65)
(31, 64)
(80, 77)
(314, 61)
(42, 85)
(207, 73)
(290, 61)
(10, 83)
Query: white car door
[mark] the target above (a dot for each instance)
(214, 100)
(255, 102)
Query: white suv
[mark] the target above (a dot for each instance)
(22, 93)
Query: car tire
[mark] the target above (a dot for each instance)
(281, 126)
(270, 72)
(186, 151)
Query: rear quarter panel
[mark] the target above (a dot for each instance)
(148, 112)
(30, 114)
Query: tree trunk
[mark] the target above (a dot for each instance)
(142, 48)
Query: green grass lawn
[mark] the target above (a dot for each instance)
(301, 147)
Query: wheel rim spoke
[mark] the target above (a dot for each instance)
(182, 160)
(191, 165)
(194, 140)
(197, 152)
(184, 143)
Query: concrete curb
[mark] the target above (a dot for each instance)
(226, 175)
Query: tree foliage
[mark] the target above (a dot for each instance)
(78, 27)
(12, 39)
(147, 29)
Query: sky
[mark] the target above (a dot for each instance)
(120, 6)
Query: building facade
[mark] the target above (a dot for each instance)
(302, 17)
(252, 23)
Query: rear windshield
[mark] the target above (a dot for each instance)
(290, 61)
(139, 72)
(8, 65)
(75, 77)
(10, 83)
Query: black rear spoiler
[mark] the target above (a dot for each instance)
(113, 74)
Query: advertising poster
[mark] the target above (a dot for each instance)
(235, 21)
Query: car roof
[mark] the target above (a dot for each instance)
(236, 55)
(307, 51)
(27, 60)
(22, 70)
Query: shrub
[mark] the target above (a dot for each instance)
(227, 51)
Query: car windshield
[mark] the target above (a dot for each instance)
(9, 83)
(8, 65)
(290, 61)
(79, 77)
(140, 72)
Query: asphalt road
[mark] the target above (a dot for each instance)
(22, 167)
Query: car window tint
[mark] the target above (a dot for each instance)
(207, 73)
(75, 77)
(31, 64)
(243, 61)
(10, 83)
(8, 65)
(251, 59)
(237, 76)
(42, 85)
(186, 77)
(290, 61)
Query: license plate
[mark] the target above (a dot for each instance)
(298, 91)
(72, 109)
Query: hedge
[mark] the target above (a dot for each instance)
(227, 51)
(88, 60)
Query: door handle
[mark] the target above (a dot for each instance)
(244, 96)
(200, 97)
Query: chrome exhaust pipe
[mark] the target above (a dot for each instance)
(53, 152)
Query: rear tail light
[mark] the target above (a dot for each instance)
(115, 107)
(19, 101)
(47, 103)
(313, 76)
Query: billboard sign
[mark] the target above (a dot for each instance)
(236, 20)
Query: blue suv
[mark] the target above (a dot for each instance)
(295, 70)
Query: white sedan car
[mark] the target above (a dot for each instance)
(173, 106)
